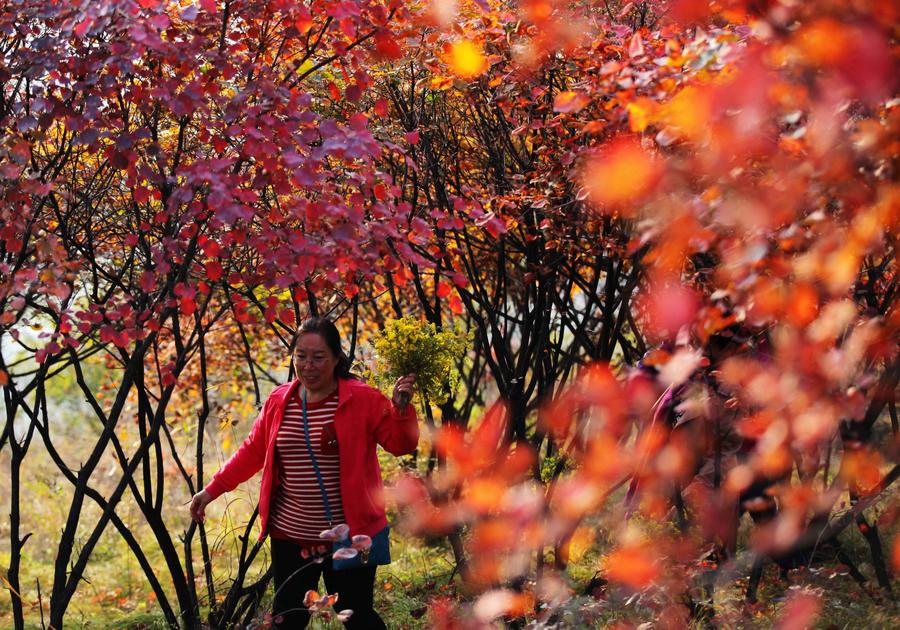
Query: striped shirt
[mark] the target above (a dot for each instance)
(298, 511)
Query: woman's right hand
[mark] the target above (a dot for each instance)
(198, 505)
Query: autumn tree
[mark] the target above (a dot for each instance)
(163, 163)
(751, 152)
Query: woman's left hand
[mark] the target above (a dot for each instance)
(403, 391)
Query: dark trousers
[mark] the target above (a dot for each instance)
(354, 587)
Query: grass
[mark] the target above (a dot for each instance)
(115, 593)
(422, 571)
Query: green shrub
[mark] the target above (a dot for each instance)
(412, 346)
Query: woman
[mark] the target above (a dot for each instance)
(346, 419)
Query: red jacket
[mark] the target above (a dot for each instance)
(364, 418)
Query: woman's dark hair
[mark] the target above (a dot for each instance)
(328, 331)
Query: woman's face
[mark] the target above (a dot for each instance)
(315, 362)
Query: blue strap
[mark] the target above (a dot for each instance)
(315, 463)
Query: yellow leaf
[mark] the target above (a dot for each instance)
(640, 113)
(441, 83)
(578, 544)
(467, 59)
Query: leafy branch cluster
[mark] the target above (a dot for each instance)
(409, 345)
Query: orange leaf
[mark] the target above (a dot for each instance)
(824, 42)
(310, 598)
(633, 565)
(862, 469)
(689, 112)
(483, 495)
(802, 305)
(896, 555)
(537, 10)
(569, 102)
(622, 174)
(304, 21)
(486, 438)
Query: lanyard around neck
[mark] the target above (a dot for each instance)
(315, 463)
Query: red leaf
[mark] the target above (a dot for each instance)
(455, 304)
(141, 195)
(387, 46)
(443, 289)
(489, 435)
(213, 270)
(167, 377)
(13, 245)
(412, 137)
(380, 192)
(353, 93)
(334, 92)
(303, 21)
(348, 27)
(107, 334)
(625, 10)
(21, 151)
(160, 21)
(187, 305)
(211, 248)
(687, 11)
(669, 308)
(636, 46)
(800, 612)
(82, 27)
(209, 5)
(495, 226)
(149, 4)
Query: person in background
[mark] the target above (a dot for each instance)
(346, 420)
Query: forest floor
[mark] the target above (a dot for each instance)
(114, 593)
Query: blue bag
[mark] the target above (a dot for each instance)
(378, 553)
